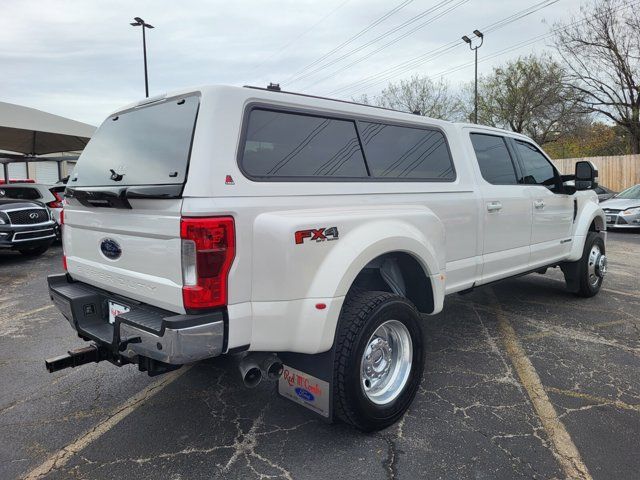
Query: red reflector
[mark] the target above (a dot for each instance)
(64, 262)
(62, 217)
(321, 306)
(214, 240)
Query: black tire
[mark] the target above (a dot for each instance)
(33, 252)
(362, 314)
(587, 289)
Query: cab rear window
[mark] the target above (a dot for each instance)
(148, 145)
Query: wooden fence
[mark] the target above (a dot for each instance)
(617, 173)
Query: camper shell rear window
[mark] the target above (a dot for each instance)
(146, 145)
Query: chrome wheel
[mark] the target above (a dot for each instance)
(386, 362)
(597, 265)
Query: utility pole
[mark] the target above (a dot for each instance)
(467, 40)
(141, 23)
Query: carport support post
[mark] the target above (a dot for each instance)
(5, 169)
(144, 48)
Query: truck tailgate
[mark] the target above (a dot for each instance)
(132, 252)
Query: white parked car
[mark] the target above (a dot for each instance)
(35, 191)
(623, 210)
(307, 233)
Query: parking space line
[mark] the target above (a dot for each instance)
(64, 455)
(563, 447)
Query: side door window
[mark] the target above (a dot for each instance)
(537, 169)
(494, 159)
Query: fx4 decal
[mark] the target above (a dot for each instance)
(317, 235)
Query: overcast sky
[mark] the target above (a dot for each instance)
(82, 59)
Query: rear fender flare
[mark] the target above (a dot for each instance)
(373, 239)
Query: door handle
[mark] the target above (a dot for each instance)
(539, 204)
(494, 206)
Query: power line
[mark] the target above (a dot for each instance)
(387, 33)
(424, 58)
(398, 69)
(408, 65)
(375, 23)
(392, 42)
(524, 43)
(514, 47)
(298, 37)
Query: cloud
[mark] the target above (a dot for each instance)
(82, 59)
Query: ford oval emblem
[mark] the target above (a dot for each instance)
(110, 249)
(305, 394)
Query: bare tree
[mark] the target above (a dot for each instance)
(601, 50)
(420, 95)
(529, 95)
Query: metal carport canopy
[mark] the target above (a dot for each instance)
(34, 132)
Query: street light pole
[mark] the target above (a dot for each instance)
(141, 23)
(467, 40)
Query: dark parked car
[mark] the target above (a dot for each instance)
(26, 226)
(604, 193)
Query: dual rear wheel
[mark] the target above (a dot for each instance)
(379, 359)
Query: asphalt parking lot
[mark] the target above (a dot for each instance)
(522, 380)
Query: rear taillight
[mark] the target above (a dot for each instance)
(57, 203)
(208, 249)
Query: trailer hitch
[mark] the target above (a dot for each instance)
(77, 357)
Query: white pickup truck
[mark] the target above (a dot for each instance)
(307, 235)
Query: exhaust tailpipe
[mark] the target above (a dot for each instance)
(271, 367)
(256, 366)
(250, 372)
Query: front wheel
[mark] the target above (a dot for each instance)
(379, 359)
(593, 266)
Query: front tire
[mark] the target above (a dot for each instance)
(379, 359)
(593, 266)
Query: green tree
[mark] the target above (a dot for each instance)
(530, 96)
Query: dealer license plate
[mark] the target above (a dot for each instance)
(116, 309)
